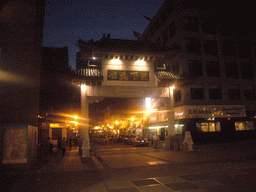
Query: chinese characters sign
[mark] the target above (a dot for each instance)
(128, 75)
(209, 111)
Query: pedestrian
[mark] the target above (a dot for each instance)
(59, 144)
(50, 146)
(154, 140)
(63, 146)
(155, 137)
(70, 142)
(75, 141)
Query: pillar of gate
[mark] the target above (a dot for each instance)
(170, 139)
(85, 147)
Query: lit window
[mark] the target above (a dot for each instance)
(249, 125)
(178, 129)
(239, 126)
(204, 127)
(208, 126)
(218, 126)
(211, 127)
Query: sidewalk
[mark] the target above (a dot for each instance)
(215, 167)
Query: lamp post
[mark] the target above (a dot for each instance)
(169, 140)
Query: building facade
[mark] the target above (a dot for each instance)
(209, 48)
(21, 34)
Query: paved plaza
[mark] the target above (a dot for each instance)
(215, 167)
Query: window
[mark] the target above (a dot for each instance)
(177, 95)
(240, 126)
(234, 93)
(215, 92)
(249, 125)
(229, 48)
(197, 93)
(209, 25)
(178, 128)
(193, 46)
(249, 93)
(227, 27)
(231, 70)
(211, 47)
(244, 49)
(195, 68)
(247, 71)
(213, 69)
(218, 126)
(208, 126)
(191, 24)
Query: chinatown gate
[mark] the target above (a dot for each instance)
(107, 73)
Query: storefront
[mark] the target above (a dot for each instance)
(214, 123)
(158, 128)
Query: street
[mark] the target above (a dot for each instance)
(120, 167)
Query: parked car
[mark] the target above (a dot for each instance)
(129, 139)
(110, 137)
(117, 139)
(140, 141)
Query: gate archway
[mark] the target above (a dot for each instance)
(120, 68)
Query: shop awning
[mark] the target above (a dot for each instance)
(157, 125)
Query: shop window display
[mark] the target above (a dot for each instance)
(242, 126)
(208, 126)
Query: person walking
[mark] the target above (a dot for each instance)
(50, 146)
(70, 142)
(59, 144)
(63, 146)
(75, 141)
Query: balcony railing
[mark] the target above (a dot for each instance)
(89, 72)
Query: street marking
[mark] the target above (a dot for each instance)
(157, 162)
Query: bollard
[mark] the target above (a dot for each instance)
(188, 143)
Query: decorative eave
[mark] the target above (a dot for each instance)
(166, 75)
(120, 47)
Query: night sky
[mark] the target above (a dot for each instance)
(69, 20)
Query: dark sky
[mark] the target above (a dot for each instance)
(68, 20)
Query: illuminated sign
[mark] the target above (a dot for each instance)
(54, 125)
(179, 114)
(117, 75)
(209, 111)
